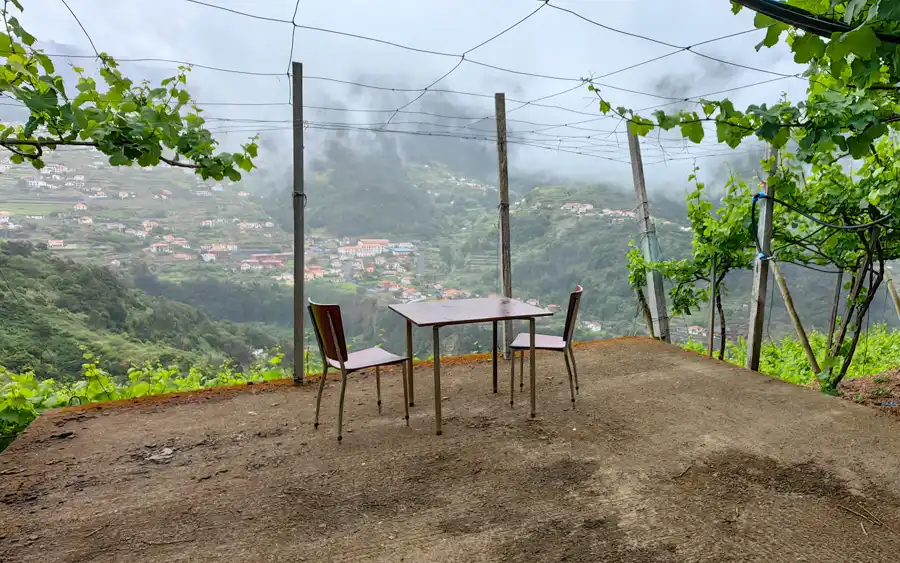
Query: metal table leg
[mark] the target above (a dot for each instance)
(437, 380)
(409, 367)
(531, 336)
(494, 349)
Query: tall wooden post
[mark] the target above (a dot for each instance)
(892, 289)
(656, 293)
(761, 267)
(299, 201)
(505, 262)
(711, 320)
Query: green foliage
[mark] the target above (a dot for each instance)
(130, 123)
(852, 98)
(24, 395)
(785, 359)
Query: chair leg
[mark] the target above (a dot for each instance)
(319, 395)
(521, 370)
(378, 386)
(571, 384)
(512, 377)
(405, 392)
(574, 367)
(341, 405)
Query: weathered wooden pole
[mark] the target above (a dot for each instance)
(795, 318)
(889, 278)
(505, 261)
(656, 293)
(761, 267)
(299, 202)
(711, 320)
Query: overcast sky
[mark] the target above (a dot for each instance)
(551, 42)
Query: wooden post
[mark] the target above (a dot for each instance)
(795, 318)
(892, 289)
(761, 269)
(505, 262)
(711, 320)
(656, 295)
(299, 201)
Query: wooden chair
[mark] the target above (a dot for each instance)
(329, 330)
(563, 344)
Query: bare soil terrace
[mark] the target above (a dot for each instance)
(667, 457)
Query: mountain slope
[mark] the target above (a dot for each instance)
(50, 309)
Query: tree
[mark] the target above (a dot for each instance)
(130, 123)
(720, 239)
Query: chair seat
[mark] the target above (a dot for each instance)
(367, 358)
(541, 342)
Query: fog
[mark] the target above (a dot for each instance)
(548, 53)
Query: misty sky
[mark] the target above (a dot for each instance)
(551, 42)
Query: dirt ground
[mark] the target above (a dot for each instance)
(881, 392)
(667, 457)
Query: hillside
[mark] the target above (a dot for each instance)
(53, 309)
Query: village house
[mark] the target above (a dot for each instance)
(98, 195)
(166, 193)
(243, 194)
(86, 220)
(182, 256)
(56, 243)
(380, 260)
(136, 233)
(269, 224)
(218, 188)
(78, 178)
(182, 242)
(208, 256)
(160, 248)
(149, 225)
(203, 193)
(579, 208)
(207, 223)
(593, 326)
(169, 238)
(35, 217)
(219, 247)
(695, 330)
(247, 265)
(123, 195)
(533, 302)
(79, 207)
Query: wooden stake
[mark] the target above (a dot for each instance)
(795, 318)
(656, 293)
(299, 201)
(892, 289)
(711, 320)
(505, 262)
(761, 268)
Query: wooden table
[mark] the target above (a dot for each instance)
(464, 311)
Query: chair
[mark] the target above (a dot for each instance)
(329, 330)
(522, 342)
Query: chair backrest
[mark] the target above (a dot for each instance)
(572, 313)
(329, 330)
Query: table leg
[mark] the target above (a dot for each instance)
(494, 349)
(437, 380)
(531, 336)
(409, 368)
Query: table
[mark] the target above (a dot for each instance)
(464, 311)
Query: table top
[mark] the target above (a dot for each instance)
(461, 311)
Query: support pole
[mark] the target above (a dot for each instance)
(761, 268)
(711, 320)
(795, 318)
(656, 294)
(299, 201)
(505, 262)
(889, 278)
